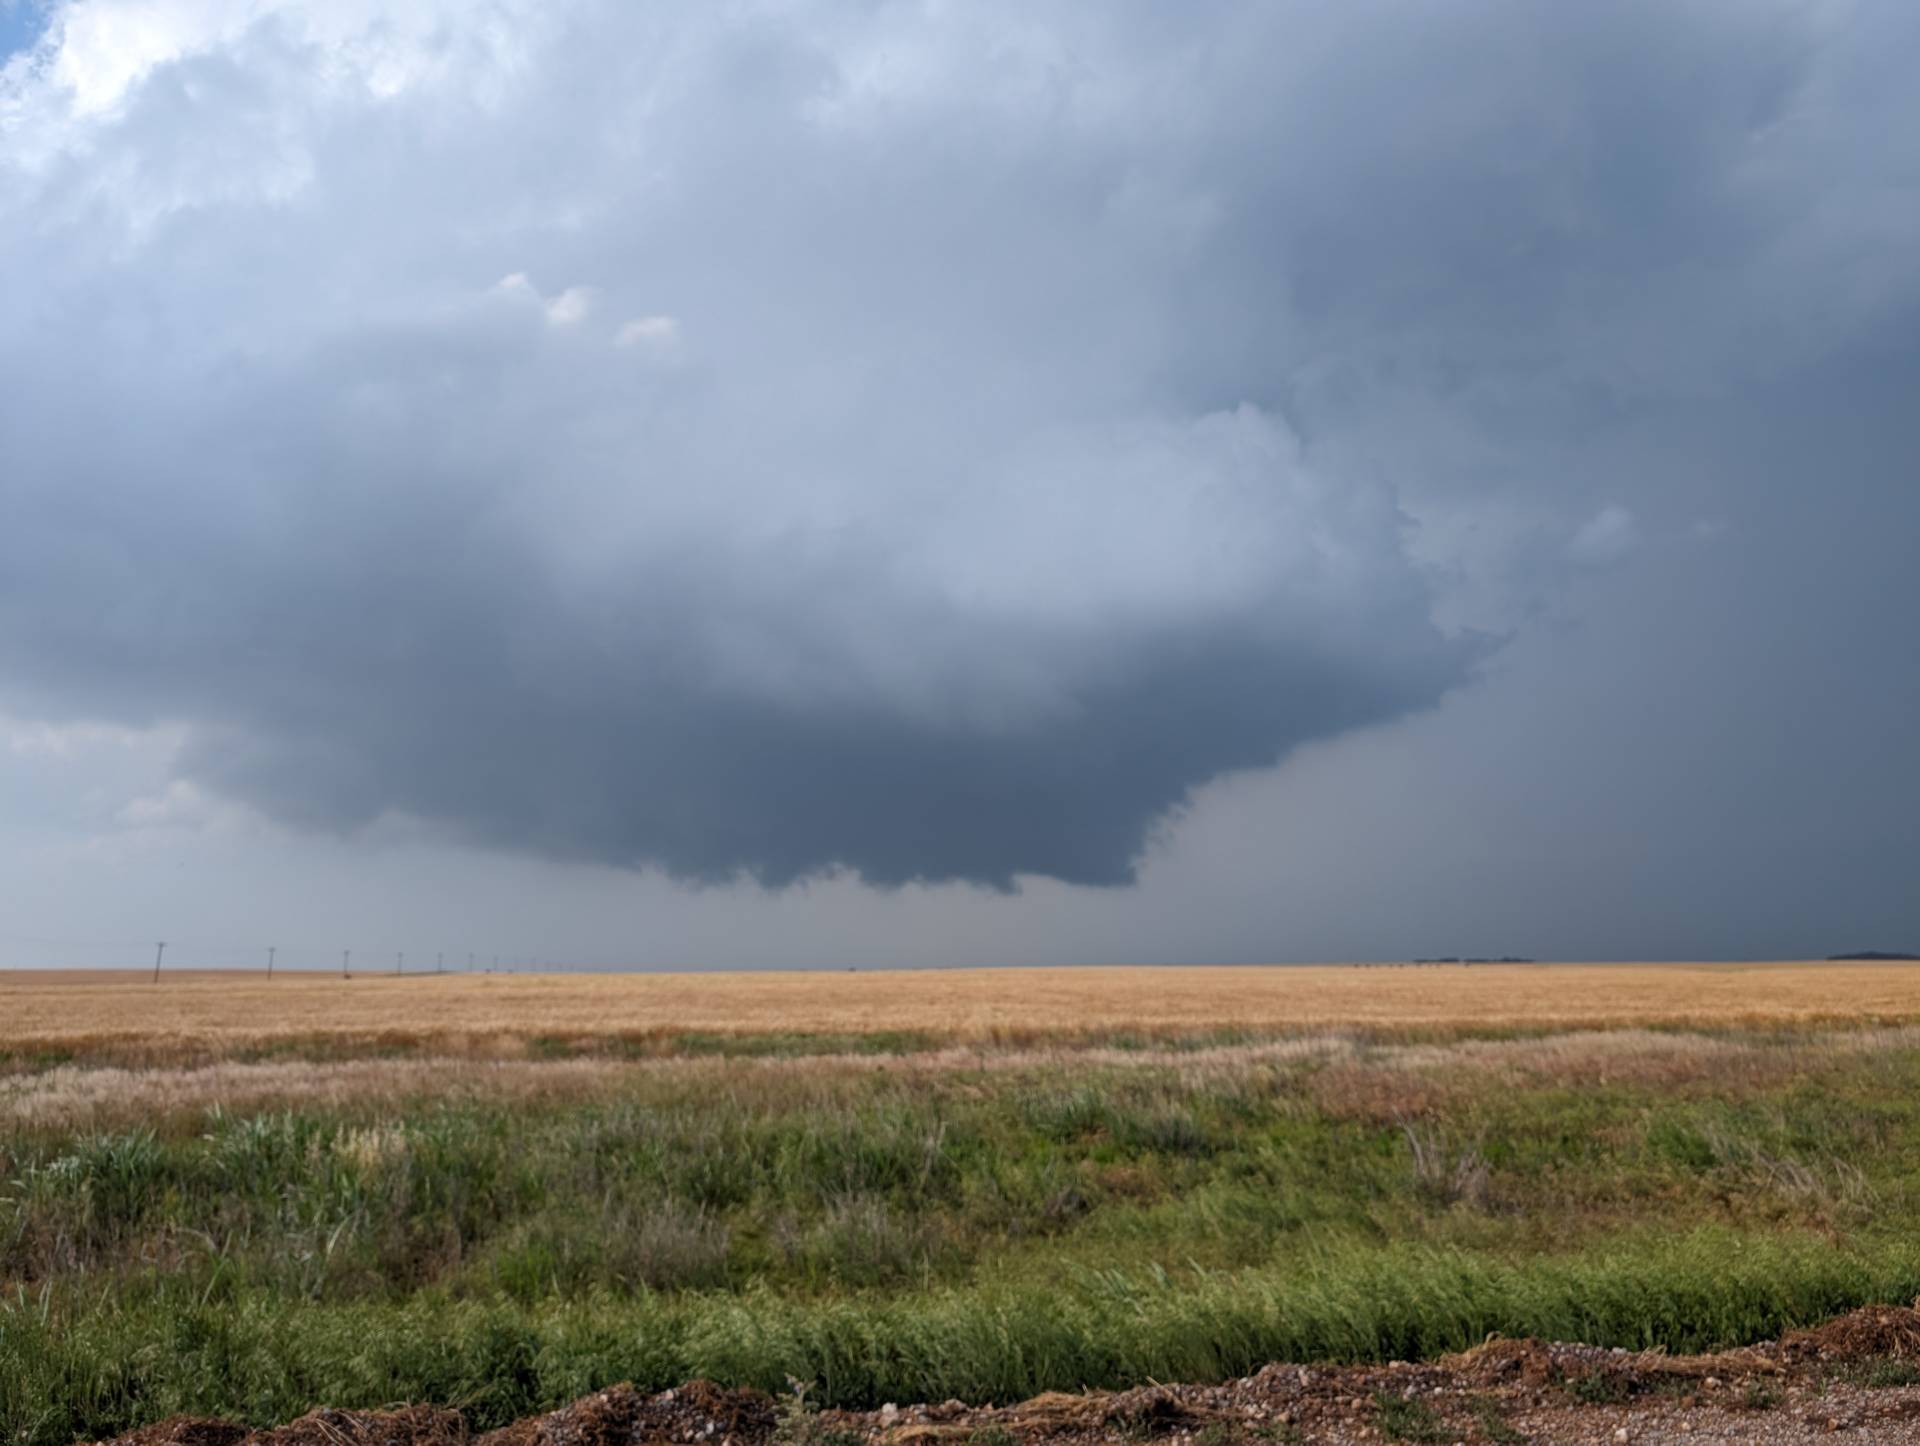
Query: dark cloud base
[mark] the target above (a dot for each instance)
(710, 791)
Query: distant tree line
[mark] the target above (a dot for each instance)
(1476, 959)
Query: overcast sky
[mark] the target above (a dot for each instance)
(857, 483)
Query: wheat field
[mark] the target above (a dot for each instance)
(75, 1011)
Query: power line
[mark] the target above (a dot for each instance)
(193, 954)
(73, 943)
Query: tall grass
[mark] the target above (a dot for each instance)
(982, 1233)
(104, 1361)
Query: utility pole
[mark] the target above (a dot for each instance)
(156, 960)
(270, 954)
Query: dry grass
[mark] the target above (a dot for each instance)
(82, 1096)
(498, 1014)
(1343, 1077)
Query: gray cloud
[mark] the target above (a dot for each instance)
(925, 444)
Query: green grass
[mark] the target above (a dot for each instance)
(1884, 1372)
(99, 1361)
(1404, 1418)
(1760, 1396)
(1496, 1428)
(985, 1234)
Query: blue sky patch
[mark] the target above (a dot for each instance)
(21, 22)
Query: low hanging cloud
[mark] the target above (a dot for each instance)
(974, 522)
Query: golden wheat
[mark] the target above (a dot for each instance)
(495, 1015)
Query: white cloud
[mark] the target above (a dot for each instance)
(570, 306)
(28, 738)
(658, 335)
(180, 804)
(1606, 537)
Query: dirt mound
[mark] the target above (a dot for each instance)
(187, 1431)
(412, 1426)
(1503, 1362)
(1868, 1333)
(1143, 1410)
(620, 1416)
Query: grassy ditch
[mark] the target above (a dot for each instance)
(983, 1231)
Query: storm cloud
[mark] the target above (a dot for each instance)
(924, 442)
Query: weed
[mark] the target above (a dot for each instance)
(1599, 1388)
(992, 1434)
(1446, 1177)
(1495, 1427)
(1883, 1372)
(1758, 1395)
(1407, 1418)
(799, 1422)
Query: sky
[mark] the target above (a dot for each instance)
(855, 483)
(20, 25)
